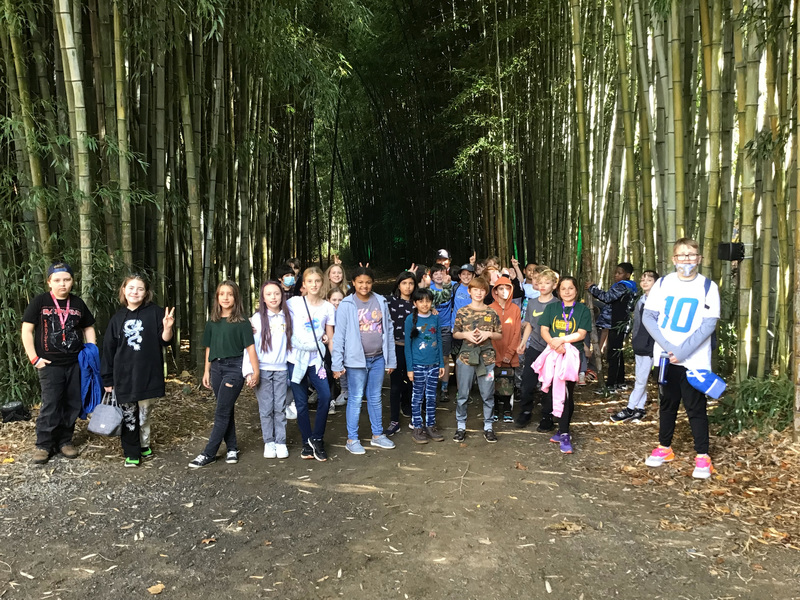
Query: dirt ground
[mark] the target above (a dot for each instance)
(514, 519)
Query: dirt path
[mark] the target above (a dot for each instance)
(511, 520)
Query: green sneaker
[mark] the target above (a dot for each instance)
(147, 452)
(132, 462)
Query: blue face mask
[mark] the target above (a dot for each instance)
(686, 269)
(288, 281)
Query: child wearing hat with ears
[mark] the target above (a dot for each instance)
(55, 327)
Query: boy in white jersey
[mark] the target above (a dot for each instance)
(681, 313)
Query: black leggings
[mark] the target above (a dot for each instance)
(401, 387)
(569, 407)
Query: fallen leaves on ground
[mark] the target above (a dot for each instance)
(156, 589)
(755, 483)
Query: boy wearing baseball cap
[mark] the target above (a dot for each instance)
(55, 326)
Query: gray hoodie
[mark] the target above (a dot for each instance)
(347, 349)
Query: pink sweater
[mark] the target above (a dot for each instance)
(556, 369)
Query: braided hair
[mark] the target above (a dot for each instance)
(419, 294)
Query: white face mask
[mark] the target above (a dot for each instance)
(503, 292)
(686, 269)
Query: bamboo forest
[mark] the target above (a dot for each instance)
(204, 140)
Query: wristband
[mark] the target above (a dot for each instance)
(35, 360)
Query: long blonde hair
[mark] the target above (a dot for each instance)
(328, 285)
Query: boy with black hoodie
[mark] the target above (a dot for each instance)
(614, 317)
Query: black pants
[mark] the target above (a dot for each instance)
(530, 387)
(401, 388)
(227, 382)
(61, 405)
(616, 364)
(569, 408)
(694, 402)
(129, 432)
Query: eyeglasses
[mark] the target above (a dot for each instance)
(685, 256)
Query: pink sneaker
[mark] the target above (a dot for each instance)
(702, 467)
(659, 456)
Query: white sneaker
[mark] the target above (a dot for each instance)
(281, 451)
(232, 457)
(341, 399)
(269, 450)
(291, 412)
(332, 408)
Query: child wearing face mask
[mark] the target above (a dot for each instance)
(681, 313)
(506, 357)
(284, 274)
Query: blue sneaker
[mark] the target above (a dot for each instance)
(566, 444)
(354, 447)
(382, 442)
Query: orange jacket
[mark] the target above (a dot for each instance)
(511, 321)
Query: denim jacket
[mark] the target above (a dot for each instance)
(347, 349)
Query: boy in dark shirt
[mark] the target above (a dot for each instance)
(614, 317)
(54, 328)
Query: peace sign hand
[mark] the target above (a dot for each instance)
(169, 318)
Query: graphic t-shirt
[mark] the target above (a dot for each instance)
(304, 330)
(370, 324)
(468, 319)
(566, 320)
(425, 348)
(444, 308)
(399, 309)
(58, 330)
(681, 308)
(534, 311)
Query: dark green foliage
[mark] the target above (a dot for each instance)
(763, 405)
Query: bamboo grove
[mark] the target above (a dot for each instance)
(198, 140)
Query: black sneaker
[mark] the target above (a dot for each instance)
(393, 428)
(545, 425)
(307, 453)
(489, 436)
(442, 397)
(522, 419)
(201, 461)
(625, 414)
(318, 449)
(508, 417)
(638, 414)
(460, 435)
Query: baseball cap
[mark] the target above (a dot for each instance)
(443, 254)
(467, 267)
(59, 267)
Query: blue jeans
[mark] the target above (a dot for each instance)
(227, 382)
(359, 381)
(300, 393)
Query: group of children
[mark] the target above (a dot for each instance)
(513, 334)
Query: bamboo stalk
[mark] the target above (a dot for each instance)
(74, 80)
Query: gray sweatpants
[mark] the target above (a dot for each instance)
(464, 375)
(271, 396)
(644, 364)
